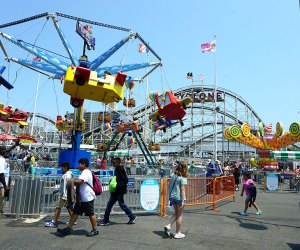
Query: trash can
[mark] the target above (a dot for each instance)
(26, 196)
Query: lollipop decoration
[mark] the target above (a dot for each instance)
(265, 140)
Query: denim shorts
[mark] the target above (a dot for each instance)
(248, 197)
(175, 202)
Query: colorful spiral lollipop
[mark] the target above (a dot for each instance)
(227, 134)
(279, 129)
(246, 130)
(295, 129)
(235, 131)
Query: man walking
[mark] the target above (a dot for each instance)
(118, 195)
(86, 203)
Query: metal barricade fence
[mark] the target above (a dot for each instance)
(200, 191)
(35, 196)
(286, 182)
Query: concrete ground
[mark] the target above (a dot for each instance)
(277, 228)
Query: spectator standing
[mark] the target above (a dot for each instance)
(247, 183)
(118, 195)
(177, 198)
(192, 168)
(127, 166)
(236, 174)
(103, 163)
(98, 162)
(211, 169)
(4, 181)
(218, 167)
(87, 197)
(62, 199)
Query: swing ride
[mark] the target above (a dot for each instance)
(82, 79)
(169, 108)
(7, 114)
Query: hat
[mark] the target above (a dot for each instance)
(217, 161)
(10, 105)
(209, 160)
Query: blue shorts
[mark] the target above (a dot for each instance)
(175, 202)
(248, 197)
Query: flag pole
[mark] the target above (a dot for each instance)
(215, 108)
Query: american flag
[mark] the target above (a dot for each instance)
(268, 129)
(209, 47)
(189, 75)
(200, 76)
(143, 48)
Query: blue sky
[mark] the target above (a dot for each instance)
(257, 49)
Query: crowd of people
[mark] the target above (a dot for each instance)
(82, 187)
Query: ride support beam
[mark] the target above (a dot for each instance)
(24, 20)
(65, 42)
(92, 22)
(101, 59)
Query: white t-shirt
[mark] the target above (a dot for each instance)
(2, 164)
(63, 184)
(86, 192)
(4, 168)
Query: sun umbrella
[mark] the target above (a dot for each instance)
(5, 137)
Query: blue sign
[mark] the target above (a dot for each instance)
(149, 194)
(130, 183)
(272, 182)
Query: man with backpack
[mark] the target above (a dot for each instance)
(86, 202)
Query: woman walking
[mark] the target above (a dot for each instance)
(177, 198)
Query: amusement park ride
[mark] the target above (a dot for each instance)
(170, 109)
(16, 116)
(83, 79)
(263, 139)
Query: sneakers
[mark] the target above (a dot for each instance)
(103, 223)
(50, 224)
(179, 236)
(94, 232)
(237, 189)
(259, 212)
(167, 230)
(75, 223)
(132, 220)
(64, 231)
(243, 213)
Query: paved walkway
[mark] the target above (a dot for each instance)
(277, 228)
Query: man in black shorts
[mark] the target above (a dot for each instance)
(86, 203)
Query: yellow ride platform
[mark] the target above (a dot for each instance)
(84, 84)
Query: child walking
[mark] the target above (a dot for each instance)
(177, 198)
(248, 185)
(62, 199)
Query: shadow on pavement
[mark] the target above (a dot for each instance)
(294, 246)
(162, 234)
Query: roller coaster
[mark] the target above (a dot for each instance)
(197, 134)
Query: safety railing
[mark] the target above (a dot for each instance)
(287, 182)
(200, 191)
(35, 196)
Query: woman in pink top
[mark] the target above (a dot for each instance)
(248, 182)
